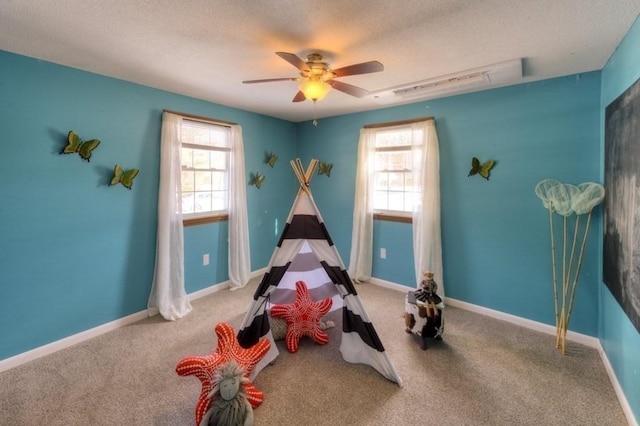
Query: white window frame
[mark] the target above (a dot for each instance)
(408, 191)
(207, 215)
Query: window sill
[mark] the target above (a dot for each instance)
(389, 217)
(203, 220)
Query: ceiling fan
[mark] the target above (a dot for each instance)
(317, 78)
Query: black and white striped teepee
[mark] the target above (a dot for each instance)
(306, 252)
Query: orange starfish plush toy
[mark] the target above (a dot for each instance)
(204, 367)
(303, 317)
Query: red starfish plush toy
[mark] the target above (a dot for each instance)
(204, 367)
(303, 317)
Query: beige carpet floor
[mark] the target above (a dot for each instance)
(484, 372)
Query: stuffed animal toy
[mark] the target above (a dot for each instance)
(279, 326)
(229, 404)
(427, 295)
(228, 349)
(424, 310)
(303, 317)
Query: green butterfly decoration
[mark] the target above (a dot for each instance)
(256, 179)
(75, 144)
(481, 169)
(125, 178)
(271, 159)
(324, 168)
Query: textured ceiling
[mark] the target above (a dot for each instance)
(205, 48)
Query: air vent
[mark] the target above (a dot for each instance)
(491, 76)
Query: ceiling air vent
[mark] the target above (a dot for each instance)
(491, 76)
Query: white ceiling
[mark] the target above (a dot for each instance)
(206, 48)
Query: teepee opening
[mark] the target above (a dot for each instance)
(306, 267)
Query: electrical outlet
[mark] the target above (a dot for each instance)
(205, 259)
(383, 253)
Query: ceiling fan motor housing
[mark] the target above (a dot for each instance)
(318, 70)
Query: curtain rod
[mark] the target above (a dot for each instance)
(396, 123)
(201, 118)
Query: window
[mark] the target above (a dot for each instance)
(205, 157)
(209, 157)
(394, 190)
(398, 179)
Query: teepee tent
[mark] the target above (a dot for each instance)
(306, 252)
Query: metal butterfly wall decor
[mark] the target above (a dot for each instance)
(125, 178)
(256, 179)
(325, 168)
(482, 169)
(271, 159)
(75, 144)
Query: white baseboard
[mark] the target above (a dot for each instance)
(583, 339)
(622, 398)
(33, 354)
(523, 322)
(537, 326)
(208, 290)
(391, 285)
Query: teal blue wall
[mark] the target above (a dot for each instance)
(495, 233)
(621, 341)
(77, 253)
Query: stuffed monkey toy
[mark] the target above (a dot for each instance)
(229, 404)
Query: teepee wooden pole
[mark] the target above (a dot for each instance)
(299, 165)
(302, 175)
(299, 175)
(310, 170)
(297, 172)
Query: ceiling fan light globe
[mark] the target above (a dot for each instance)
(314, 89)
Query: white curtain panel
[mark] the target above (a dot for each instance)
(168, 296)
(361, 256)
(239, 250)
(427, 242)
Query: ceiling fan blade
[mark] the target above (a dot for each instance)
(294, 60)
(299, 97)
(349, 89)
(363, 68)
(268, 80)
